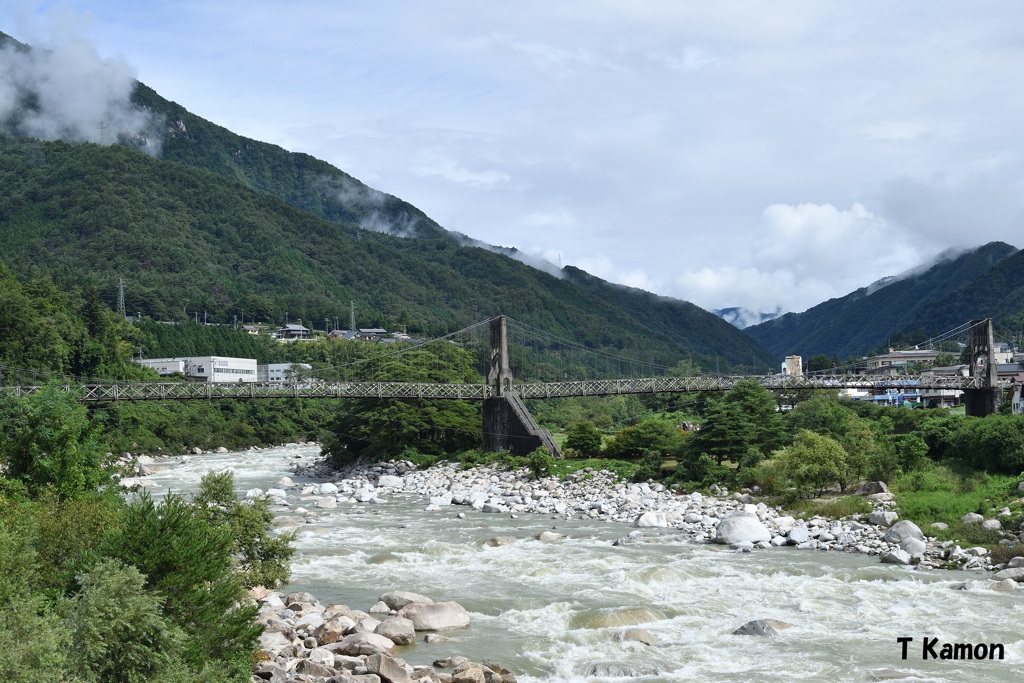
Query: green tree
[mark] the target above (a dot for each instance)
(385, 428)
(727, 433)
(189, 563)
(813, 462)
(261, 555)
(652, 434)
(819, 363)
(49, 441)
(758, 406)
(583, 438)
(119, 632)
(33, 645)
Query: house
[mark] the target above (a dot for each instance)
(342, 334)
(893, 362)
(371, 332)
(293, 331)
(216, 369)
(1017, 400)
(251, 329)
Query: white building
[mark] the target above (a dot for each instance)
(793, 366)
(205, 368)
(276, 373)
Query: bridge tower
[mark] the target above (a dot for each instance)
(508, 425)
(985, 401)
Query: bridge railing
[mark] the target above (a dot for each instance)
(176, 391)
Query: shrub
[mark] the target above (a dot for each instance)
(583, 438)
(540, 463)
(189, 563)
(32, 644)
(119, 633)
(261, 555)
(813, 462)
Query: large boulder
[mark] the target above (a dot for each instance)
(761, 627)
(972, 518)
(435, 616)
(739, 527)
(390, 481)
(365, 644)
(401, 631)
(389, 669)
(901, 530)
(882, 517)
(1017, 574)
(897, 556)
(870, 488)
(656, 520)
(396, 600)
(914, 546)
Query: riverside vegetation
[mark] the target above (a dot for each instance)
(142, 590)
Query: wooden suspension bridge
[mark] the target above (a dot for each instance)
(508, 424)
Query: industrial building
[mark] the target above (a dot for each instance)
(277, 373)
(217, 369)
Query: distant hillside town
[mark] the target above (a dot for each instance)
(915, 364)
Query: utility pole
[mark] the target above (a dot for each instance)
(352, 316)
(235, 325)
(120, 298)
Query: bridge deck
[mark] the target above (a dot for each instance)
(176, 391)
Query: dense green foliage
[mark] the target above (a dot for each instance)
(379, 429)
(97, 588)
(187, 240)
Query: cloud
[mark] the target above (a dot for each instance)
(804, 254)
(434, 164)
(68, 92)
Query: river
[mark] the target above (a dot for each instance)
(553, 611)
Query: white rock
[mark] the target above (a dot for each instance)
(741, 526)
(882, 517)
(901, 530)
(435, 616)
(896, 556)
(914, 546)
(365, 644)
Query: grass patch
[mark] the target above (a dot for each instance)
(1001, 554)
(939, 493)
(832, 508)
(625, 469)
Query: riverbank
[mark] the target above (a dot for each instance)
(558, 609)
(736, 519)
(303, 639)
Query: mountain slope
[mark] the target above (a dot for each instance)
(862, 321)
(189, 240)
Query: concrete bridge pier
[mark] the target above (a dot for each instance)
(508, 425)
(985, 401)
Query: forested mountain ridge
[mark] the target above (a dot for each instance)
(954, 290)
(218, 223)
(185, 239)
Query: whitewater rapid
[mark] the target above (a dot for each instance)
(555, 611)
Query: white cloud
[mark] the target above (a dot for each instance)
(642, 141)
(68, 92)
(434, 164)
(804, 254)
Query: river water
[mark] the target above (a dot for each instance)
(553, 611)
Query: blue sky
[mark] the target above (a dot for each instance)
(730, 153)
